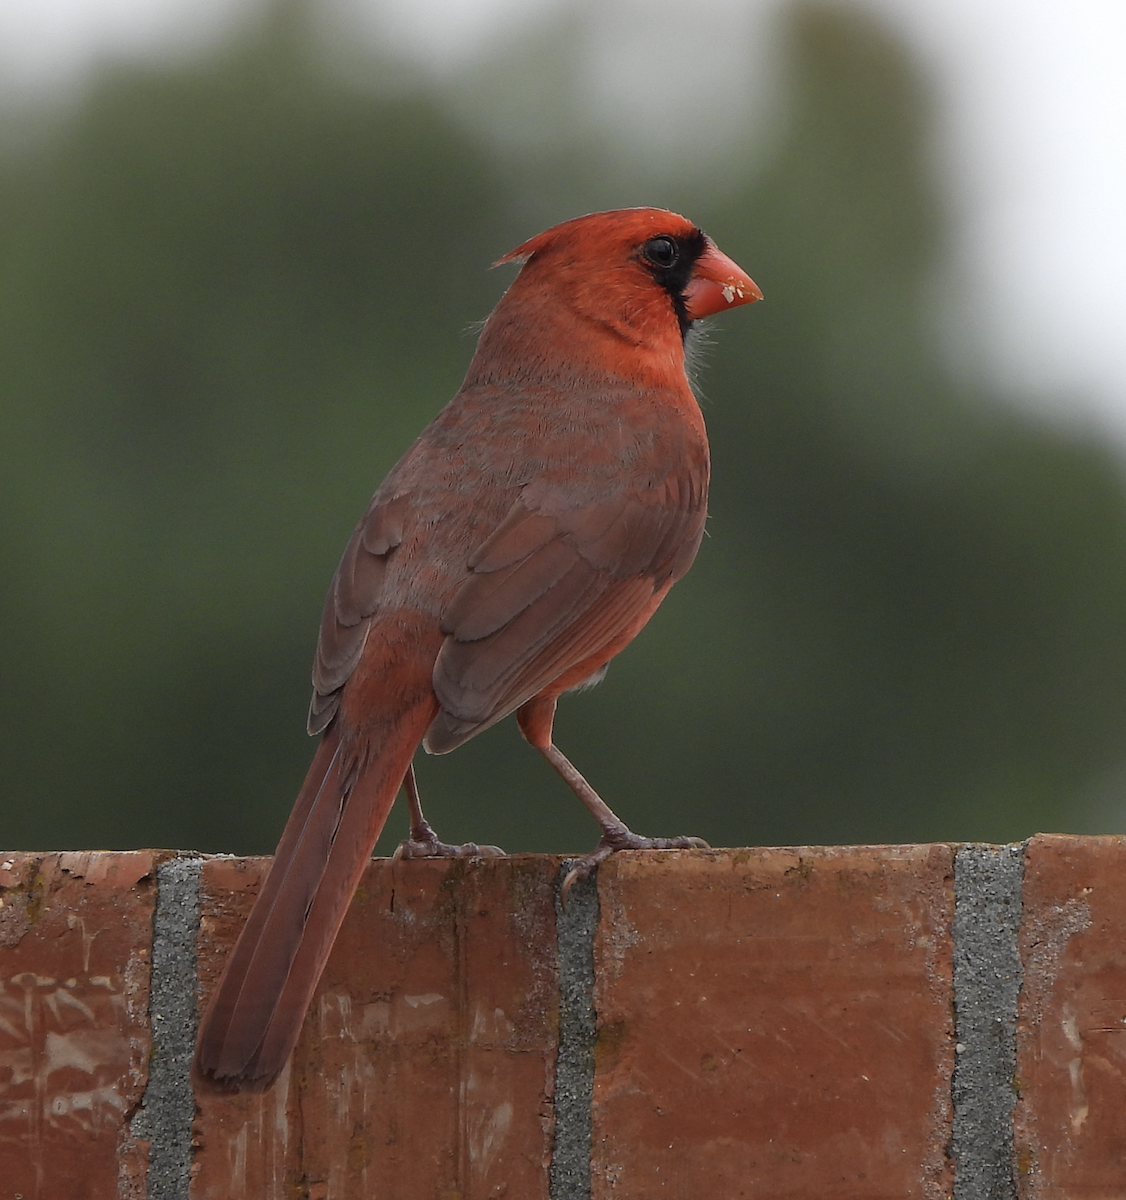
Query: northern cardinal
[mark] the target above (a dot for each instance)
(519, 544)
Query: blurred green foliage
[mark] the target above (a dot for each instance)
(230, 295)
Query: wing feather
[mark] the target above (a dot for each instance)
(489, 602)
(352, 599)
(521, 533)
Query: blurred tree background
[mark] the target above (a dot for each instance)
(231, 293)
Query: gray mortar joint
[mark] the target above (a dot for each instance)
(987, 979)
(168, 1105)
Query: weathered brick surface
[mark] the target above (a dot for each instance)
(774, 1023)
(75, 933)
(1071, 1035)
(425, 1069)
(771, 1023)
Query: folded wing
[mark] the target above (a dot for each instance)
(551, 590)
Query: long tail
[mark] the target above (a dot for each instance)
(258, 1009)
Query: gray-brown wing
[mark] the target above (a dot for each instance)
(549, 591)
(353, 597)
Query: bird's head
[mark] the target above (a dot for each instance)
(632, 278)
(624, 262)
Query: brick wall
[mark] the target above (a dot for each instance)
(822, 1023)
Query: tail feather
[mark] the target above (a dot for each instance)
(256, 1014)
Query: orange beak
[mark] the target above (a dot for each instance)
(718, 284)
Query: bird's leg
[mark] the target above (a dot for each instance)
(423, 841)
(535, 719)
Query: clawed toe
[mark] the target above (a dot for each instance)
(617, 839)
(581, 871)
(423, 841)
(432, 848)
(675, 843)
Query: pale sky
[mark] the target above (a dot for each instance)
(1031, 143)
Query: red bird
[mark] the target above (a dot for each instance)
(520, 543)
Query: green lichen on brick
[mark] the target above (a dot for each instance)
(608, 1044)
(36, 897)
(801, 872)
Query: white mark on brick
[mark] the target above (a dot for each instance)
(425, 999)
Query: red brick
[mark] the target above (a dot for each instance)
(425, 1067)
(774, 1023)
(75, 934)
(1071, 1030)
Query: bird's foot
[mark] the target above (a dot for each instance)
(423, 843)
(617, 838)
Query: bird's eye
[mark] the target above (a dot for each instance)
(661, 252)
